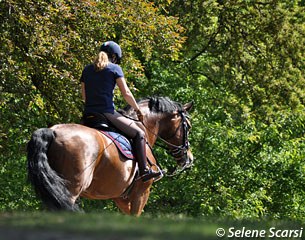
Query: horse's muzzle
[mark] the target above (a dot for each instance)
(187, 160)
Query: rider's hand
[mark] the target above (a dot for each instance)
(140, 115)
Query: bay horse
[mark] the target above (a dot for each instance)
(68, 161)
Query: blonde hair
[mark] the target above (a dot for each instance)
(101, 61)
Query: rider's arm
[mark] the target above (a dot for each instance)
(126, 93)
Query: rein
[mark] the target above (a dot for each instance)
(183, 121)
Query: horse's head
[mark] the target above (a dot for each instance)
(169, 121)
(175, 131)
(173, 127)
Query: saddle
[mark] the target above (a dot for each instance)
(101, 123)
(98, 121)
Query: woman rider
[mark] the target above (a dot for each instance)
(98, 81)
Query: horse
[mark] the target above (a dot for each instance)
(68, 161)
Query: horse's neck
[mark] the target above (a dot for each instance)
(152, 128)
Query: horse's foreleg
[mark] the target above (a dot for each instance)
(138, 198)
(136, 201)
(123, 204)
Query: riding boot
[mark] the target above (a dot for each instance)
(140, 155)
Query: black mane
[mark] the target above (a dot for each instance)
(163, 105)
(157, 105)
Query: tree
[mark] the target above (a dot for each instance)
(242, 65)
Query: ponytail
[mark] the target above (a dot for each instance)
(101, 61)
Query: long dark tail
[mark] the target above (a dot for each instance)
(47, 184)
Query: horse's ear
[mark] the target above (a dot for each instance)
(188, 106)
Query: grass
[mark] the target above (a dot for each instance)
(76, 226)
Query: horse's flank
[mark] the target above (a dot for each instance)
(99, 157)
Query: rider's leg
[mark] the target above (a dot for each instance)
(140, 155)
(133, 131)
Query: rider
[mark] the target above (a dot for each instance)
(98, 81)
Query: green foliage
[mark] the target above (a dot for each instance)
(243, 68)
(242, 63)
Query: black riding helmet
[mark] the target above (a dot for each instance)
(111, 48)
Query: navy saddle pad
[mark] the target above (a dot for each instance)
(121, 142)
